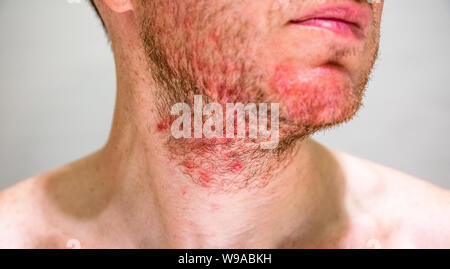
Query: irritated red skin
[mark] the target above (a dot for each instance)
(190, 164)
(236, 167)
(205, 177)
(314, 96)
(203, 171)
(163, 126)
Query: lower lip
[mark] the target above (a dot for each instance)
(339, 27)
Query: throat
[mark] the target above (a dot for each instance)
(227, 164)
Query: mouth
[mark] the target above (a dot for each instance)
(346, 20)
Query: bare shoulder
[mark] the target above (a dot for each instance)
(13, 208)
(21, 214)
(37, 212)
(403, 211)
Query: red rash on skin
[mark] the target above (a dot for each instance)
(315, 96)
(189, 164)
(204, 177)
(236, 167)
(162, 127)
(165, 124)
(215, 86)
(221, 140)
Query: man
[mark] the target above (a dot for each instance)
(147, 188)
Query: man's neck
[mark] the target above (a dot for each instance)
(163, 204)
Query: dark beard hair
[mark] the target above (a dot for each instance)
(205, 161)
(209, 161)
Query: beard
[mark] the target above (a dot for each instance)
(216, 52)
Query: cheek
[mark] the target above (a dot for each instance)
(314, 96)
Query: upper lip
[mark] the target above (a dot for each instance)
(355, 14)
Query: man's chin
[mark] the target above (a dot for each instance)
(320, 96)
(305, 124)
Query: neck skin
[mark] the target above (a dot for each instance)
(160, 206)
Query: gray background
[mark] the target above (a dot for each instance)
(57, 90)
